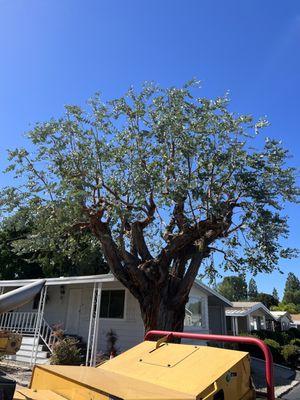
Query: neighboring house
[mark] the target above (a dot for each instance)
(283, 320)
(245, 316)
(89, 306)
(295, 321)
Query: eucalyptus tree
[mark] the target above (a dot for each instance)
(164, 179)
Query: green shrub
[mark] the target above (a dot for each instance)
(295, 342)
(294, 333)
(290, 354)
(66, 352)
(275, 349)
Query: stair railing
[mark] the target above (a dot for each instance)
(24, 322)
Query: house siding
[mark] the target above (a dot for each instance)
(62, 310)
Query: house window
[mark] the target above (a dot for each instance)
(112, 304)
(194, 312)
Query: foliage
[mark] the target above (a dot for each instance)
(112, 338)
(275, 295)
(294, 333)
(252, 290)
(280, 337)
(267, 299)
(234, 288)
(291, 290)
(164, 180)
(290, 308)
(292, 297)
(275, 349)
(20, 260)
(290, 354)
(66, 352)
(295, 342)
(283, 345)
(12, 265)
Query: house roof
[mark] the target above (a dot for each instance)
(295, 317)
(244, 308)
(280, 314)
(63, 280)
(212, 292)
(71, 280)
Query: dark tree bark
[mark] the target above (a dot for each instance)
(161, 284)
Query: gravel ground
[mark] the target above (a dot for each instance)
(20, 373)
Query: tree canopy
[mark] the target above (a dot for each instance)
(275, 294)
(234, 288)
(163, 179)
(267, 299)
(291, 290)
(18, 260)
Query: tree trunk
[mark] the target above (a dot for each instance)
(163, 311)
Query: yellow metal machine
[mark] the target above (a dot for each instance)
(150, 370)
(10, 342)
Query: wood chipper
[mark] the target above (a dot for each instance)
(156, 370)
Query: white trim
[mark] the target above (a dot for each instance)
(284, 314)
(211, 291)
(235, 312)
(68, 280)
(73, 280)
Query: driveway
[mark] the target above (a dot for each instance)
(285, 379)
(294, 394)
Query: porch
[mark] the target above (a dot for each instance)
(90, 306)
(58, 305)
(245, 317)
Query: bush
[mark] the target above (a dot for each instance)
(111, 338)
(290, 354)
(294, 333)
(295, 342)
(275, 349)
(66, 352)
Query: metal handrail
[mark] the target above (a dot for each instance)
(231, 339)
(24, 322)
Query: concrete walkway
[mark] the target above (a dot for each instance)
(285, 378)
(294, 394)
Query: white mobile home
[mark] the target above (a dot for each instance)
(89, 306)
(246, 316)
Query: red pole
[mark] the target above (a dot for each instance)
(232, 339)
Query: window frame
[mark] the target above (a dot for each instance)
(203, 312)
(125, 306)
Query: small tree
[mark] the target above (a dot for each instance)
(291, 290)
(234, 288)
(163, 180)
(275, 294)
(252, 290)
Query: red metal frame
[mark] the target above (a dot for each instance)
(232, 339)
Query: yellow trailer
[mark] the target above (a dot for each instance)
(150, 370)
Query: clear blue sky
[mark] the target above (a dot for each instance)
(58, 52)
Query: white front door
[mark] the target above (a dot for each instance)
(74, 310)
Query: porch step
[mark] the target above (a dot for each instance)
(28, 345)
(27, 353)
(26, 360)
(29, 340)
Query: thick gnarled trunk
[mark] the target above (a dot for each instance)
(163, 311)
